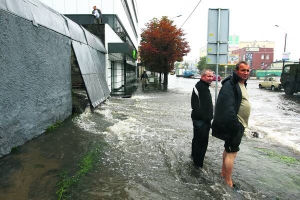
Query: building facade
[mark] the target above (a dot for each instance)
(118, 32)
(257, 58)
(235, 46)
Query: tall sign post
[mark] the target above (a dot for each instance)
(217, 39)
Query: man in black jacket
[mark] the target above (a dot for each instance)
(202, 114)
(144, 78)
(231, 116)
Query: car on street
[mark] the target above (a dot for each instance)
(197, 76)
(215, 78)
(270, 82)
(188, 74)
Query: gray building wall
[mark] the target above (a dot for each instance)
(35, 80)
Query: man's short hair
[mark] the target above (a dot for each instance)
(237, 66)
(203, 72)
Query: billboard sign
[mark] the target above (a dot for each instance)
(233, 59)
(233, 42)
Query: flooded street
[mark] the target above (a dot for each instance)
(143, 151)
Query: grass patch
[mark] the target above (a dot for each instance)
(53, 126)
(283, 158)
(68, 181)
(75, 116)
(15, 149)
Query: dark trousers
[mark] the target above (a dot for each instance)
(200, 141)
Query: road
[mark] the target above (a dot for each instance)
(145, 145)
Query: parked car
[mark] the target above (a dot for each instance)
(215, 78)
(197, 76)
(270, 82)
(188, 74)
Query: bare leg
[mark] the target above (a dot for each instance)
(227, 167)
(223, 166)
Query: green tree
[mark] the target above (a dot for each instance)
(162, 44)
(186, 65)
(177, 64)
(202, 63)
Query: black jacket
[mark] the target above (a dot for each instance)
(144, 76)
(201, 102)
(227, 107)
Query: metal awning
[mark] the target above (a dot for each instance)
(91, 72)
(122, 47)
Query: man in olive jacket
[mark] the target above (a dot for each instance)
(232, 113)
(202, 114)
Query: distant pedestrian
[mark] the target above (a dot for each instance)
(202, 114)
(97, 15)
(144, 78)
(231, 116)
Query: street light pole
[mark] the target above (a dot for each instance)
(284, 49)
(176, 16)
(285, 41)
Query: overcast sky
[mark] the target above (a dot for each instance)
(250, 20)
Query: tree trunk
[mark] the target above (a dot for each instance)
(159, 77)
(165, 78)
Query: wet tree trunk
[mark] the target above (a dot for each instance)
(165, 78)
(159, 77)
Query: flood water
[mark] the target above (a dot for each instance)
(145, 147)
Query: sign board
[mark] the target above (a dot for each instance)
(233, 41)
(134, 54)
(285, 56)
(233, 59)
(212, 59)
(252, 49)
(217, 36)
(212, 48)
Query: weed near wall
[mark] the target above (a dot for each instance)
(68, 181)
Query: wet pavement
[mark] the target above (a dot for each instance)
(144, 147)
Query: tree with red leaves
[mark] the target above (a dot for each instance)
(162, 43)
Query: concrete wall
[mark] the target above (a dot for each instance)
(35, 80)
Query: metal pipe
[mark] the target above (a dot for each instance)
(284, 48)
(218, 56)
(176, 16)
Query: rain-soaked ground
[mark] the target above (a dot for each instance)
(143, 151)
